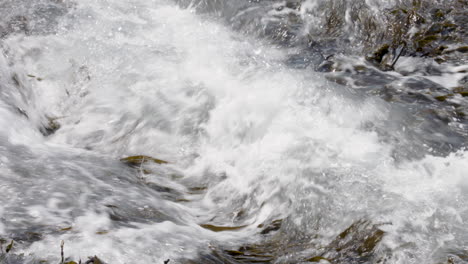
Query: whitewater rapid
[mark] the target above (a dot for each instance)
(248, 140)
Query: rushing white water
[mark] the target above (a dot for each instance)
(248, 139)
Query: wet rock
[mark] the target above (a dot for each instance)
(327, 66)
(356, 244)
(360, 76)
(197, 189)
(137, 161)
(358, 240)
(162, 189)
(464, 81)
(337, 78)
(415, 89)
(463, 91)
(463, 49)
(94, 260)
(353, 26)
(7, 256)
(305, 59)
(364, 76)
(9, 247)
(216, 228)
(31, 17)
(51, 127)
(378, 56)
(457, 257)
(18, 24)
(423, 84)
(28, 236)
(318, 259)
(125, 215)
(438, 14)
(273, 226)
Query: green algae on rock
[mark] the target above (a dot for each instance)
(461, 91)
(317, 259)
(9, 247)
(141, 159)
(216, 228)
(51, 127)
(356, 244)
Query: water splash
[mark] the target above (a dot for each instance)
(259, 150)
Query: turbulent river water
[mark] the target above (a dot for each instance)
(143, 131)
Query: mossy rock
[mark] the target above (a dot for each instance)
(438, 14)
(361, 238)
(440, 60)
(94, 260)
(435, 29)
(426, 41)
(449, 25)
(215, 228)
(440, 28)
(318, 259)
(463, 49)
(379, 54)
(51, 127)
(399, 11)
(137, 161)
(9, 247)
(416, 17)
(273, 226)
(461, 90)
(356, 244)
(197, 189)
(66, 229)
(442, 98)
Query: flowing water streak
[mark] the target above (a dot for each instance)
(260, 140)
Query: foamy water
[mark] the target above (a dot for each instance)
(248, 139)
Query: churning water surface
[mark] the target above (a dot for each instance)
(267, 159)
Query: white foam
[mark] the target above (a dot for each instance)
(146, 77)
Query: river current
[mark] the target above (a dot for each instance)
(242, 149)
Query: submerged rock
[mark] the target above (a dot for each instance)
(358, 241)
(137, 161)
(51, 127)
(216, 228)
(273, 226)
(378, 56)
(126, 215)
(32, 17)
(359, 76)
(463, 91)
(356, 244)
(94, 260)
(312, 59)
(415, 90)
